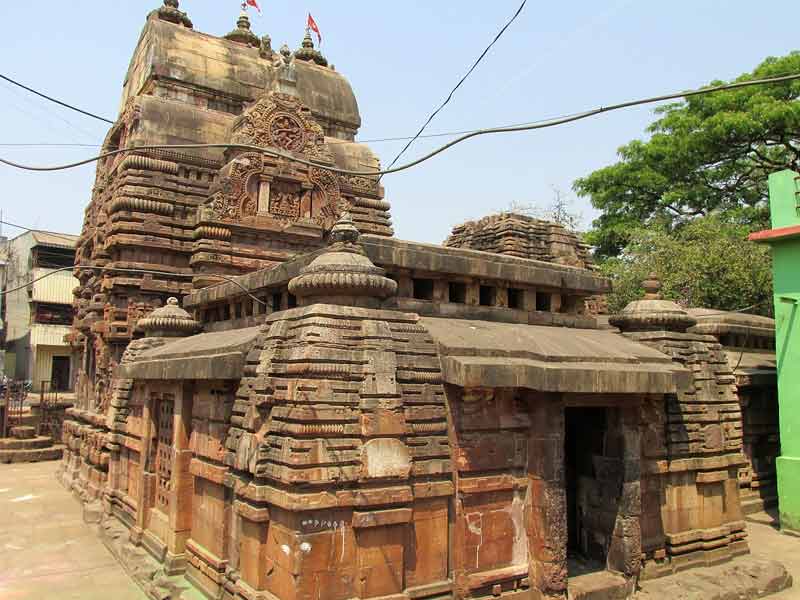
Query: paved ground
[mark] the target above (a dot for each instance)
(46, 551)
(766, 541)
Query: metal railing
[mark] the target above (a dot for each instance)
(14, 395)
(49, 423)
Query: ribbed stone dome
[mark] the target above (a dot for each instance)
(169, 321)
(343, 274)
(653, 312)
(242, 34)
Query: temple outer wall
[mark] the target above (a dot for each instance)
(784, 239)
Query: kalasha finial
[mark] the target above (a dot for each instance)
(169, 321)
(652, 287)
(652, 313)
(307, 41)
(243, 22)
(242, 34)
(343, 274)
(345, 231)
(171, 12)
(308, 53)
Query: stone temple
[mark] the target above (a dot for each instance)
(356, 416)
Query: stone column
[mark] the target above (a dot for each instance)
(144, 499)
(555, 303)
(441, 290)
(263, 197)
(529, 299)
(405, 285)
(547, 514)
(625, 551)
(473, 293)
(501, 296)
(182, 482)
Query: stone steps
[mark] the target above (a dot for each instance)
(758, 501)
(23, 432)
(31, 455)
(26, 444)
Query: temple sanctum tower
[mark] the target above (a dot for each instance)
(278, 399)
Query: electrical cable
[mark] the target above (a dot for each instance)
(46, 97)
(128, 270)
(528, 127)
(121, 269)
(46, 113)
(234, 280)
(62, 236)
(459, 84)
(327, 141)
(51, 145)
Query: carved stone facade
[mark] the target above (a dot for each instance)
(749, 345)
(187, 216)
(346, 448)
(362, 417)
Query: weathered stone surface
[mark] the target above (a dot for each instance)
(743, 579)
(523, 236)
(363, 417)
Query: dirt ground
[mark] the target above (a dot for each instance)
(767, 541)
(46, 550)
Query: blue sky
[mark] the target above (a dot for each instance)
(402, 58)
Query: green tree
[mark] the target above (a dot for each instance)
(705, 154)
(707, 263)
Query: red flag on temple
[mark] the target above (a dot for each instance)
(312, 25)
(254, 4)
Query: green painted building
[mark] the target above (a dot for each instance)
(784, 238)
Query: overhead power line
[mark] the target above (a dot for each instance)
(327, 141)
(51, 99)
(50, 145)
(232, 280)
(238, 284)
(52, 233)
(459, 84)
(526, 127)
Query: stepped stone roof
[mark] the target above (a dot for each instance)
(523, 236)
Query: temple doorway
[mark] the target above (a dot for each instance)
(60, 374)
(593, 457)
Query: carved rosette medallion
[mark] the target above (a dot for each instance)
(281, 121)
(286, 132)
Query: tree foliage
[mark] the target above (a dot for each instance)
(706, 154)
(707, 263)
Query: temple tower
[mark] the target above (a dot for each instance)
(161, 223)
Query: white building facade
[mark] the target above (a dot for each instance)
(38, 316)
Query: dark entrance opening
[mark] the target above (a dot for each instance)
(59, 376)
(593, 469)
